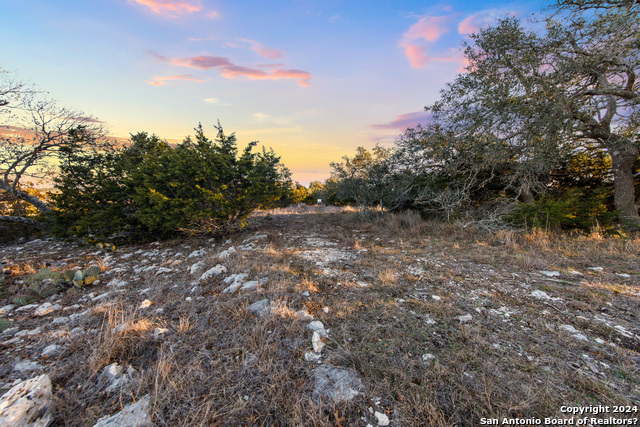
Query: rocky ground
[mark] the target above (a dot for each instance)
(320, 316)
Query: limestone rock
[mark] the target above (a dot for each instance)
(215, 271)
(336, 384)
(133, 415)
(261, 308)
(27, 404)
(318, 327)
(44, 309)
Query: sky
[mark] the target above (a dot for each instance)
(312, 79)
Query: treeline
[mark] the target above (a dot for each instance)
(541, 129)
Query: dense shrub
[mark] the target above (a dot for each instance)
(153, 190)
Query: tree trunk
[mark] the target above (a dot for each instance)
(22, 220)
(623, 154)
(37, 203)
(527, 195)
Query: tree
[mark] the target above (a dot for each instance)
(153, 190)
(35, 129)
(530, 100)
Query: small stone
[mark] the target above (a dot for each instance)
(261, 308)
(436, 297)
(550, 273)
(595, 268)
(383, 420)
(195, 267)
(159, 332)
(163, 270)
(312, 356)
(465, 319)
(316, 340)
(427, 357)
(44, 309)
(26, 366)
(215, 271)
(249, 285)
(133, 415)
(145, 304)
(318, 327)
(51, 350)
(325, 309)
(303, 315)
(335, 383)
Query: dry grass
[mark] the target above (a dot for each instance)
(396, 297)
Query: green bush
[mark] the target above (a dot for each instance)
(576, 208)
(153, 190)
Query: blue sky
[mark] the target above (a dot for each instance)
(311, 79)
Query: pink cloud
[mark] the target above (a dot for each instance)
(170, 7)
(231, 71)
(428, 28)
(161, 81)
(473, 23)
(417, 55)
(407, 120)
(263, 50)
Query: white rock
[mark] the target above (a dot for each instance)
(316, 340)
(231, 288)
(540, 294)
(133, 415)
(595, 268)
(465, 319)
(261, 308)
(303, 315)
(26, 366)
(550, 273)
(195, 267)
(625, 275)
(101, 296)
(27, 307)
(226, 253)
(7, 308)
(27, 404)
(383, 420)
(311, 356)
(44, 309)
(199, 252)
(51, 350)
(159, 332)
(318, 327)
(436, 297)
(215, 271)
(145, 304)
(568, 328)
(163, 270)
(117, 283)
(249, 285)
(427, 357)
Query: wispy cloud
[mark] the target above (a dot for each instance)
(170, 7)
(161, 81)
(267, 52)
(231, 71)
(416, 40)
(419, 39)
(428, 28)
(407, 120)
(482, 19)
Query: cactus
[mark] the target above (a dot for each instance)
(91, 271)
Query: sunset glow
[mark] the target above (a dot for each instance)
(311, 79)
